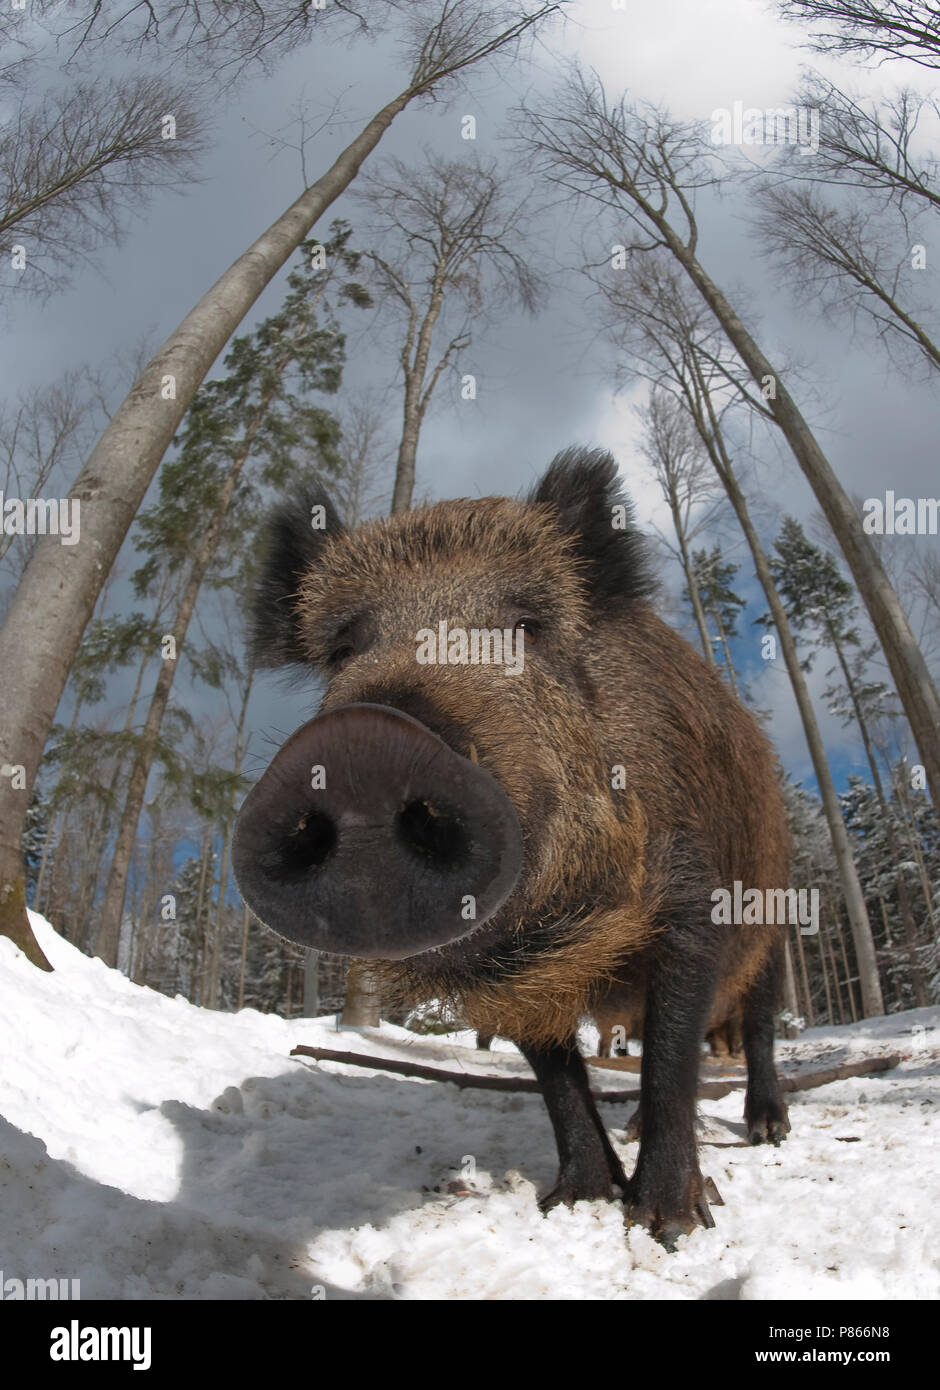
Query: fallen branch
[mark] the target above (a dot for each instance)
(866, 1066)
(459, 1078)
(708, 1090)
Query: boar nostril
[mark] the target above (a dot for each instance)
(304, 848)
(432, 833)
(380, 862)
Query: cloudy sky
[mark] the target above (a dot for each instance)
(544, 382)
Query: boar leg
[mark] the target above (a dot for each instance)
(765, 1113)
(667, 1192)
(589, 1167)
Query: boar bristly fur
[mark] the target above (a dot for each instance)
(640, 783)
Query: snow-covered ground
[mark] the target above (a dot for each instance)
(157, 1150)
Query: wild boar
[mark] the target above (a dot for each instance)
(525, 839)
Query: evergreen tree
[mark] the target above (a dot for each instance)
(35, 836)
(254, 428)
(821, 605)
(713, 577)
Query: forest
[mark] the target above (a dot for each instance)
(383, 313)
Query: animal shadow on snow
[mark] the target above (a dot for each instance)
(70, 1226)
(309, 1151)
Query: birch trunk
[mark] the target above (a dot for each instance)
(695, 598)
(912, 680)
(872, 1002)
(60, 586)
(213, 993)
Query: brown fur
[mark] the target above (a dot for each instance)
(602, 687)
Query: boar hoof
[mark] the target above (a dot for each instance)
(634, 1130)
(577, 1185)
(767, 1125)
(667, 1220)
(712, 1193)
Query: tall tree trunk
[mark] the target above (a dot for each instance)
(311, 983)
(416, 400)
(914, 840)
(849, 981)
(362, 1008)
(789, 982)
(695, 597)
(823, 970)
(212, 998)
(144, 926)
(197, 986)
(94, 838)
(109, 931)
(48, 840)
(407, 455)
(918, 980)
(810, 1016)
(58, 591)
(912, 680)
(837, 983)
(100, 829)
(246, 918)
(723, 638)
(713, 439)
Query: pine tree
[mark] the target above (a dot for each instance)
(821, 605)
(256, 427)
(713, 576)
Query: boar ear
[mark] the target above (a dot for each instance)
(583, 487)
(296, 535)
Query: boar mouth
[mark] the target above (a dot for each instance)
(370, 836)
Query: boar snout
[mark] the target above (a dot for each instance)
(369, 836)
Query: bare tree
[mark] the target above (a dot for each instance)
(880, 29)
(450, 239)
(845, 260)
(678, 344)
(57, 593)
(226, 35)
(647, 166)
(41, 436)
(18, 53)
(361, 488)
(75, 164)
(869, 143)
(680, 466)
(925, 578)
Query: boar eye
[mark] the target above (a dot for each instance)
(530, 626)
(339, 656)
(345, 642)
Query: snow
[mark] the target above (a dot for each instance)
(158, 1150)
